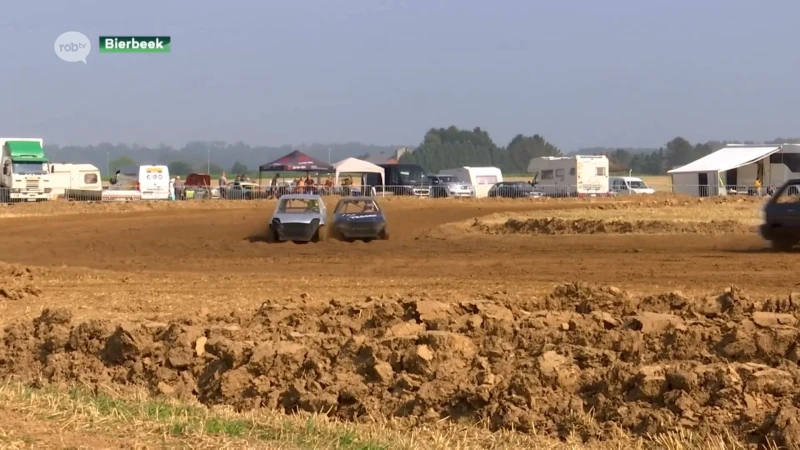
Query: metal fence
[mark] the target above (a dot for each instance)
(515, 190)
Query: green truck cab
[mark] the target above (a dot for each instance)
(26, 171)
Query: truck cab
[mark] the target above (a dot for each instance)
(26, 171)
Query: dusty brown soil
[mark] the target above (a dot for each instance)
(554, 225)
(189, 302)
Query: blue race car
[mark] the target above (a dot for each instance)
(358, 218)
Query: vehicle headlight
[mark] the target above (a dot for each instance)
(47, 190)
(16, 190)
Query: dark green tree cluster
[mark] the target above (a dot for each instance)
(447, 148)
(675, 153)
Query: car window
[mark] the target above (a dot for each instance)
(298, 205)
(356, 207)
(790, 194)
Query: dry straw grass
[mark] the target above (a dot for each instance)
(145, 422)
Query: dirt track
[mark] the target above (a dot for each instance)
(450, 321)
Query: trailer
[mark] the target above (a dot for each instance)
(76, 181)
(570, 176)
(480, 178)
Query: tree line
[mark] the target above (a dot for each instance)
(445, 148)
(441, 148)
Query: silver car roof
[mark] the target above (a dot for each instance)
(357, 198)
(301, 197)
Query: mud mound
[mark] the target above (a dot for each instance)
(551, 226)
(584, 359)
(17, 282)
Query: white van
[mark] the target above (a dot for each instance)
(75, 177)
(629, 186)
(154, 182)
(481, 178)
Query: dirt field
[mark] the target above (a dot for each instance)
(568, 321)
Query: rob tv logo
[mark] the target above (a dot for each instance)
(72, 46)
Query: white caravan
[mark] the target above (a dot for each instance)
(629, 186)
(26, 171)
(562, 176)
(80, 181)
(481, 178)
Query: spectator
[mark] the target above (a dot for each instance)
(273, 186)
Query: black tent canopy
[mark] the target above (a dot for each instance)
(296, 161)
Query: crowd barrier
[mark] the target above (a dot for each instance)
(512, 191)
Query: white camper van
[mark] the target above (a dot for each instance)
(481, 178)
(81, 180)
(629, 186)
(564, 176)
(149, 182)
(154, 182)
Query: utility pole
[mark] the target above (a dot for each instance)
(208, 164)
(329, 155)
(108, 166)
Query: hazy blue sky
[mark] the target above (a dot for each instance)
(581, 73)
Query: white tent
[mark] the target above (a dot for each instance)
(705, 175)
(353, 165)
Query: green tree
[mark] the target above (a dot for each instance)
(679, 152)
(238, 168)
(447, 148)
(181, 168)
(213, 168)
(116, 164)
(522, 149)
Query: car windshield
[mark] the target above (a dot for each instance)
(637, 185)
(29, 168)
(411, 175)
(356, 207)
(447, 179)
(298, 205)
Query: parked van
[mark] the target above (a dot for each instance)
(148, 182)
(154, 182)
(628, 186)
(480, 178)
(75, 181)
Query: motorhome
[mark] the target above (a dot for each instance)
(75, 181)
(26, 171)
(400, 179)
(564, 176)
(480, 178)
(629, 186)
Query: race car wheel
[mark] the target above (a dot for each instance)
(783, 245)
(272, 235)
(319, 235)
(383, 235)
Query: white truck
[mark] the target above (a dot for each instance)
(26, 171)
(570, 176)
